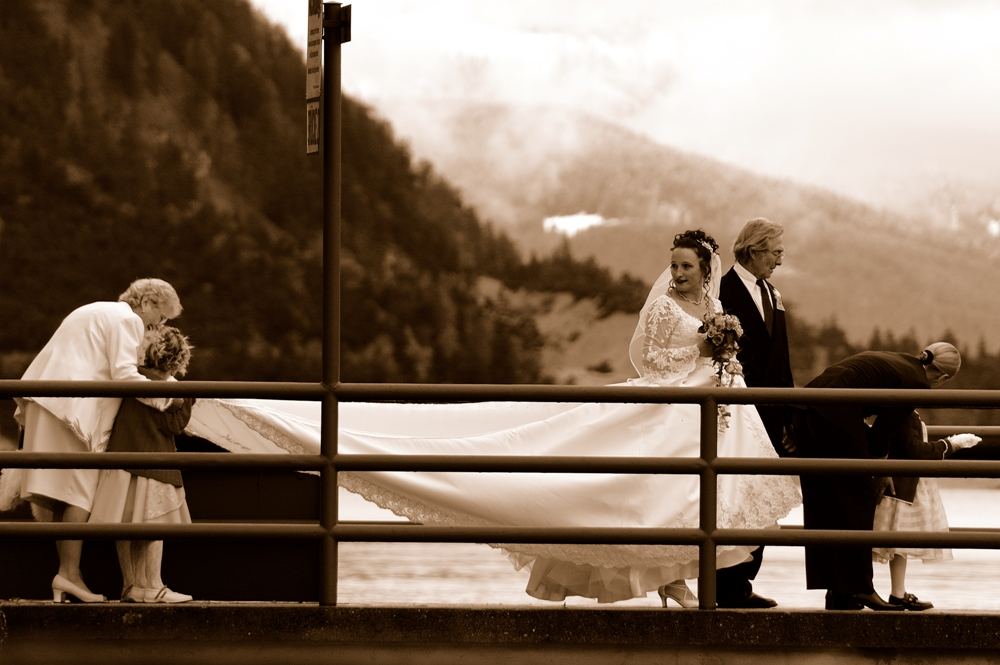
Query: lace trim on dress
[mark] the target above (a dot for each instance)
(262, 425)
(773, 495)
(608, 556)
(161, 498)
(780, 496)
(670, 348)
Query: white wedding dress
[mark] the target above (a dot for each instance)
(605, 572)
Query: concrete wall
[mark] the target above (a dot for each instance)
(249, 633)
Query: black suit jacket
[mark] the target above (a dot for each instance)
(764, 356)
(905, 440)
(845, 433)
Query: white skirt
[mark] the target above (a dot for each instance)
(44, 433)
(123, 497)
(926, 513)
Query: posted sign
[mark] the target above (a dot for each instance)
(314, 50)
(314, 75)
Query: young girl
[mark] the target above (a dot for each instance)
(147, 495)
(914, 504)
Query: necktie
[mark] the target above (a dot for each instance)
(765, 301)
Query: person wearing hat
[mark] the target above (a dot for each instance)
(842, 430)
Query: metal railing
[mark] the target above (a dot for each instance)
(330, 530)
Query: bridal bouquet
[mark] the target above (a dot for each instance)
(722, 332)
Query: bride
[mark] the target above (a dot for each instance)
(666, 349)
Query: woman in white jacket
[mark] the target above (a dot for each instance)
(100, 341)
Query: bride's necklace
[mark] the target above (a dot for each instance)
(686, 299)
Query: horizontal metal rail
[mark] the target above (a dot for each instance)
(219, 389)
(454, 393)
(21, 459)
(508, 464)
(354, 532)
(707, 536)
(451, 393)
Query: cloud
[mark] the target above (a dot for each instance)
(876, 100)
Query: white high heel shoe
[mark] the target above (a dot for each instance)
(679, 592)
(63, 591)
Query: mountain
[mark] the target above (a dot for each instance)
(864, 268)
(167, 138)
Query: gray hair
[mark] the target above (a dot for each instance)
(942, 355)
(755, 235)
(158, 291)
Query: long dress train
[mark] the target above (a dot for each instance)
(605, 572)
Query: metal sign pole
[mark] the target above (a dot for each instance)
(336, 31)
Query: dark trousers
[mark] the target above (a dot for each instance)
(734, 582)
(838, 502)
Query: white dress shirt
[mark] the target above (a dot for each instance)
(750, 281)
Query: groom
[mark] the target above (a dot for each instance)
(746, 292)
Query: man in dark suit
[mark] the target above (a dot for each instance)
(745, 292)
(848, 501)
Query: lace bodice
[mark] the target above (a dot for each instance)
(670, 340)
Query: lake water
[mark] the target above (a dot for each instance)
(447, 573)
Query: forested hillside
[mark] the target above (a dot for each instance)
(166, 138)
(867, 268)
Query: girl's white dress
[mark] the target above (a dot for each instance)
(925, 513)
(604, 572)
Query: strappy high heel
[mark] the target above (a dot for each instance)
(680, 593)
(63, 591)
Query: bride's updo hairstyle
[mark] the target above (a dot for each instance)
(943, 356)
(703, 245)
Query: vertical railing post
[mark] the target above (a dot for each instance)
(709, 502)
(336, 26)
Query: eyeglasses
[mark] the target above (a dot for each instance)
(776, 253)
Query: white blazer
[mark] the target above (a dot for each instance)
(97, 342)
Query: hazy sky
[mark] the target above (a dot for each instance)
(883, 100)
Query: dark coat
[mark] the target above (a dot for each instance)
(907, 442)
(141, 428)
(847, 501)
(869, 369)
(765, 361)
(764, 356)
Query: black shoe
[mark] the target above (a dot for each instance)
(842, 601)
(750, 602)
(874, 601)
(909, 602)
